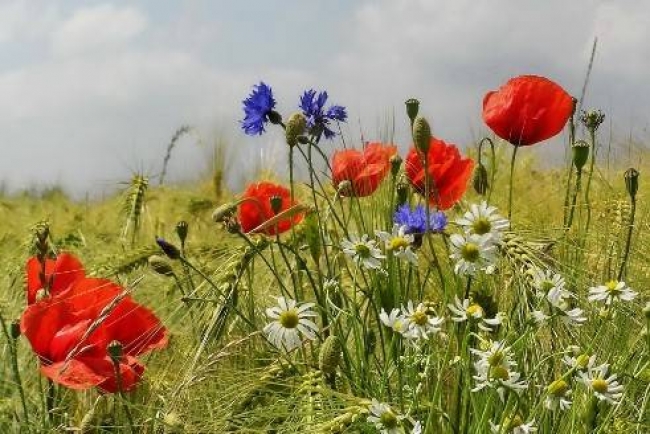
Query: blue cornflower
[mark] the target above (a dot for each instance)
(318, 119)
(415, 220)
(258, 110)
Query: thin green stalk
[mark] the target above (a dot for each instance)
(13, 353)
(592, 139)
(628, 241)
(120, 390)
(574, 200)
(512, 173)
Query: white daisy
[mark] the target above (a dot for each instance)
(514, 426)
(482, 219)
(610, 292)
(473, 253)
(384, 418)
(363, 251)
(539, 317)
(572, 317)
(499, 378)
(290, 320)
(551, 285)
(419, 324)
(604, 387)
(395, 320)
(558, 396)
(466, 310)
(400, 243)
(417, 428)
(496, 354)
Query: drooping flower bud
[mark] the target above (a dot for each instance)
(421, 134)
(168, 248)
(296, 127)
(632, 182)
(275, 117)
(580, 150)
(480, 180)
(412, 108)
(224, 212)
(14, 330)
(395, 164)
(330, 355)
(160, 265)
(182, 227)
(115, 351)
(558, 388)
(276, 204)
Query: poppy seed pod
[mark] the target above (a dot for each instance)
(168, 248)
(115, 351)
(580, 150)
(632, 182)
(160, 265)
(412, 108)
(330, 355)
(276, 204)
(421, 134)
(480, 180)
(395, 164)
(296, 127)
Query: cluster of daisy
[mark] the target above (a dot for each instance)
(475, 250)
(466, 310)
(387, 421)
(556, 300)
(596, 378)
(495, 369)
(413, 323)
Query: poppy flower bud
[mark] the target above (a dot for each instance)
(181, 230)
(275, 117)
(168, 248)
(330, 355)
(421, 134)
(14, 330)
(592, 119)
(276, 204)
(632, 182)
(480, 180)
(224, 213)
(580, 151)
(412, 108)
(395, 164)
(296, 127)
(402, 193)
(160, 265)
(115, 351)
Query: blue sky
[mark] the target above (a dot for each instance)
(92, 90)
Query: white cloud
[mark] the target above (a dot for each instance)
(102, 27)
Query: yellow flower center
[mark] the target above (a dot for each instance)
(482, 226)
(474, 310)
(515, 422)
(611, 287)
(558, 388)
(362, 250)
(289, 319)
(397, 243)
(499, 373)
(420, 318)
(388, 419)
(547, 285)
(470, 252)
(599, 385)
(582, 361)
(496, 358)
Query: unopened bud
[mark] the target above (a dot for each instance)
(169, 249)
(395, 164)
(580, 151)
(160, 265)
(275, 117)
(646, 311)
(296, 127)
(182, 227)
(14, 330)
(402, 193)
(558, 388)
(421, 134)
(223, 213)
(592, 119)
(480, 180)
(412, 108)
(330, 355)
(632, 182)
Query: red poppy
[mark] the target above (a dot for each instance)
(448, 173)
(257, 208)
(70, 332)
(59, 274)
(527, 109)
(363, 169)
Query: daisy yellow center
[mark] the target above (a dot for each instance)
(515, 422)
(612, 287)
(599, 385)
(547, 285)
(470, 252)
(582, 361)
(499, 373)
(482, 226)
(496, 358)
(388, 419)
(420, 318)
(474, 310)
(289, 319)
(362, 250)
(558, 388)
(397, 325)
(398, 243)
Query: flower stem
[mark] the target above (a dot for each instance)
(127, 410)
(13, 350)
(512, 173)
(628, 241)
